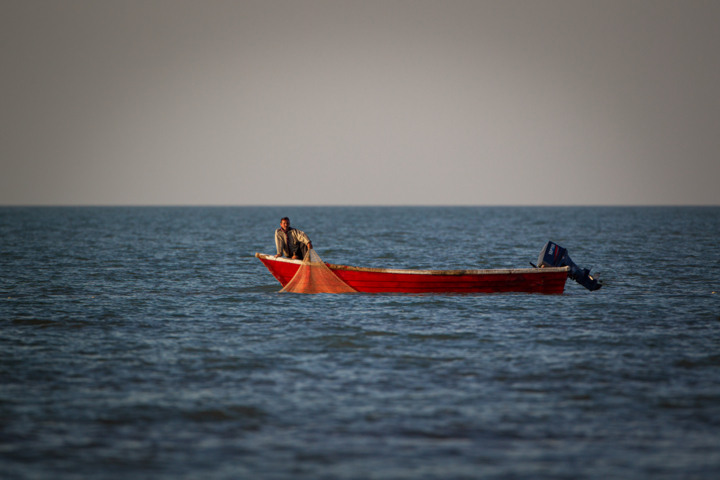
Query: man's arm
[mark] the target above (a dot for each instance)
(278, 243)
(302, 237)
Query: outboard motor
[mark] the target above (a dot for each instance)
(553, 255)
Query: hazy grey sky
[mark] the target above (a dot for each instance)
(359, 103)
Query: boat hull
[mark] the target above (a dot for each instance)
(381, 280)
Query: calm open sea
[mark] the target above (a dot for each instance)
(150, 343)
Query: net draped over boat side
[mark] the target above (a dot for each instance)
(314, 276)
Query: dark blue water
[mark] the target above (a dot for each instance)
(150, 343)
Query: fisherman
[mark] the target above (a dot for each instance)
(291, 242)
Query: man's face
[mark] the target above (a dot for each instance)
(284, 224)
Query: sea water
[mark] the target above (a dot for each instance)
(151, 343)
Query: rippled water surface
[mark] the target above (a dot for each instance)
(151, 343)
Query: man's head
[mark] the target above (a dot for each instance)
(285, 223)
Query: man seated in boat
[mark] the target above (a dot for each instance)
(291, 242)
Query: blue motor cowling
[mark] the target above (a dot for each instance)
(553, 255)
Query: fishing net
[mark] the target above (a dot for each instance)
(314, 276)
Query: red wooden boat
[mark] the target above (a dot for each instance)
(384, 280)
